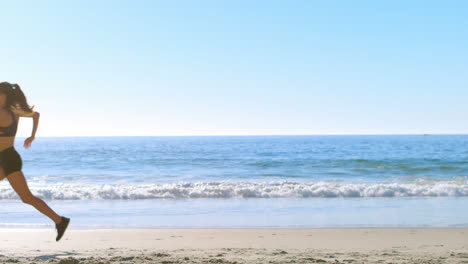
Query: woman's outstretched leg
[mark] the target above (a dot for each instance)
(18, 182)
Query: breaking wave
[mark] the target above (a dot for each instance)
(230, 190)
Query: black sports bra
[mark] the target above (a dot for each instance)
(10, 130)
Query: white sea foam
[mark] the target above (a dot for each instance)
(228, 190)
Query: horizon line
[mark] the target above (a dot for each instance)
(221, 135)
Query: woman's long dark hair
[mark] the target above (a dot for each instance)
(15, 97)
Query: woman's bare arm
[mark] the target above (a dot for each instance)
(35, 124)
(35, 115)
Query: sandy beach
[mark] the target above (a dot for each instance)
(334, 245)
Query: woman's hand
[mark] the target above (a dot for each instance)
(28, 141)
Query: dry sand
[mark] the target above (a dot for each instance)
(331, 245)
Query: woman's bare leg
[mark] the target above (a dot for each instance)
(18, 182)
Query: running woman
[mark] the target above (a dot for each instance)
(13, 104)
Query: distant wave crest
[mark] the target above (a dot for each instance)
(229, 190)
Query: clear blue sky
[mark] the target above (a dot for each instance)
(122, 68)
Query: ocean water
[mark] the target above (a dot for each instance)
(244, 181)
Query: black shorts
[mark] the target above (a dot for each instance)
(10, 160)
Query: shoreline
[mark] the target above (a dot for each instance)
(239, 245)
